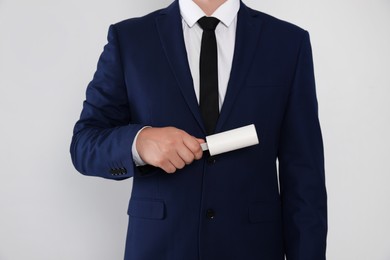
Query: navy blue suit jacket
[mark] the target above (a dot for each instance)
(232, 206)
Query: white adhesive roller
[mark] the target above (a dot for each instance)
(231, 140)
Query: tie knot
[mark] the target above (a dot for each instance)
(208, 23)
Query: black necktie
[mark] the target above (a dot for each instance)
(208, 69)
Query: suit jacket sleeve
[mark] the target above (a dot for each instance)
(102, 138)
(301, 166)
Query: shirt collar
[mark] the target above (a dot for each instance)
(226, 13)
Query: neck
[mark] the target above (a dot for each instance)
(209, 6)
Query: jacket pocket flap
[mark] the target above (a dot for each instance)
(149, 209)
(264, 211)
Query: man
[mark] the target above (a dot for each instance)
(146, 114)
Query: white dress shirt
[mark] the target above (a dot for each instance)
(225, 34)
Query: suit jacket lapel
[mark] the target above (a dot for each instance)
(169, 26)
(247, 38)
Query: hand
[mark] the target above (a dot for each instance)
(168, 148)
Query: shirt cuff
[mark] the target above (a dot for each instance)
(136, 158)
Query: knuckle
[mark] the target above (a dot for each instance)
(160, 161)
(165, 150)
(170, 143)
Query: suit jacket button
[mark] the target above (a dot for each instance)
(210, 214)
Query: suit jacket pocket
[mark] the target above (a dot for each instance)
(265, 211)
(146, 208)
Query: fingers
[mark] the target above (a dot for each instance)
(193, 145)
(167, 166)
(168, 148)
(186, 156)
(177, 161)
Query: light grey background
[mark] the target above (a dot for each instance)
(48, 54)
